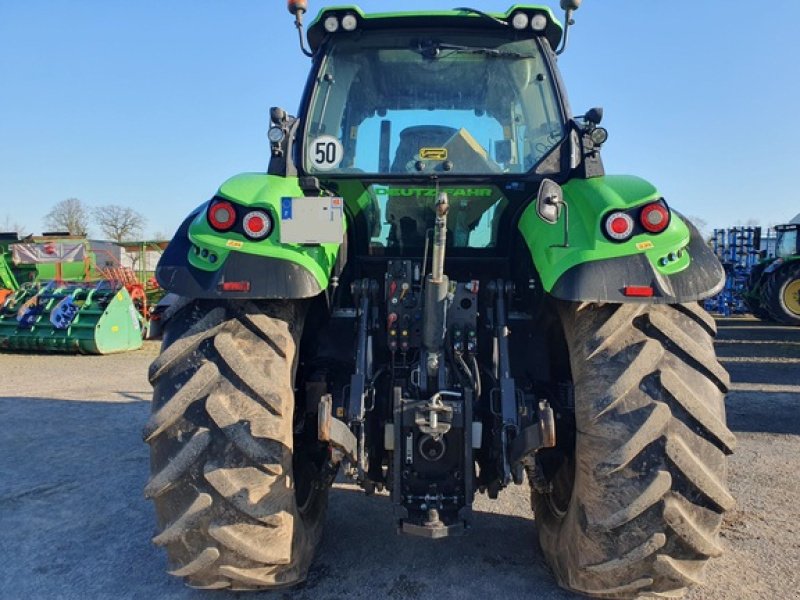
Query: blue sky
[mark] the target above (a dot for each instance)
(153, 104)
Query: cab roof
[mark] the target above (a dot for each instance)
(440, 20)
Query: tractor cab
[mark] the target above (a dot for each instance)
(398, 110)
(787, 243)
(397, 101)
(399, 107)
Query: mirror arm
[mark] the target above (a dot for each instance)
(298, 22)
(568, 21)
(563, 205)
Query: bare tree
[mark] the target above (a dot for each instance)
(702, 226)
(119, 223)
(68, 215)
(10, 225)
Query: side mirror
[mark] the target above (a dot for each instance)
(549, 201)
(570, 5)
(549, 204)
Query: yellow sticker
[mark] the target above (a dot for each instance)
(433, 153)
(339, 411)
(644, 245)
(114, 328)
(234, 244)
(119, 295)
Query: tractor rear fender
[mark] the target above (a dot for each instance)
(591, 267)
(777, 263)
(201, 262)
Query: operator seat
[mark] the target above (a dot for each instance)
(410, 218)
(412, 139)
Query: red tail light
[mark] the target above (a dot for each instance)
(235, 286)
(638, 291)
(619, 226)
(221, 215)
(257, 224)
(654, 217)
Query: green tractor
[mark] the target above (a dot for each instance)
(436, 291)
(773, 287)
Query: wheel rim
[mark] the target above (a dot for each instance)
(791, 297)
(307, 488)
(558, 499)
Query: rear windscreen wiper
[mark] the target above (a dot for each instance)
(434, 50)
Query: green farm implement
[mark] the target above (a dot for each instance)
(436, 290)
(56, 298)
(86, 318)
(8, 281)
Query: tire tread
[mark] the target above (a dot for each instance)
(221, 439)
(650, 463)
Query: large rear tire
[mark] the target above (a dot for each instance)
(636, 501)
(752, 293)
(780, 294)
(236, 504)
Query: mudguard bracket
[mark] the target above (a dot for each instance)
(335, 433)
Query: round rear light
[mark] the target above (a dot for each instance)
(257, 224)
(619, 226)
(221, 215)
(654, 217)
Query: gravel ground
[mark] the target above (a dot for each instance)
(74, 523)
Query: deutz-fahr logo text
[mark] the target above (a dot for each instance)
(431, 192)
